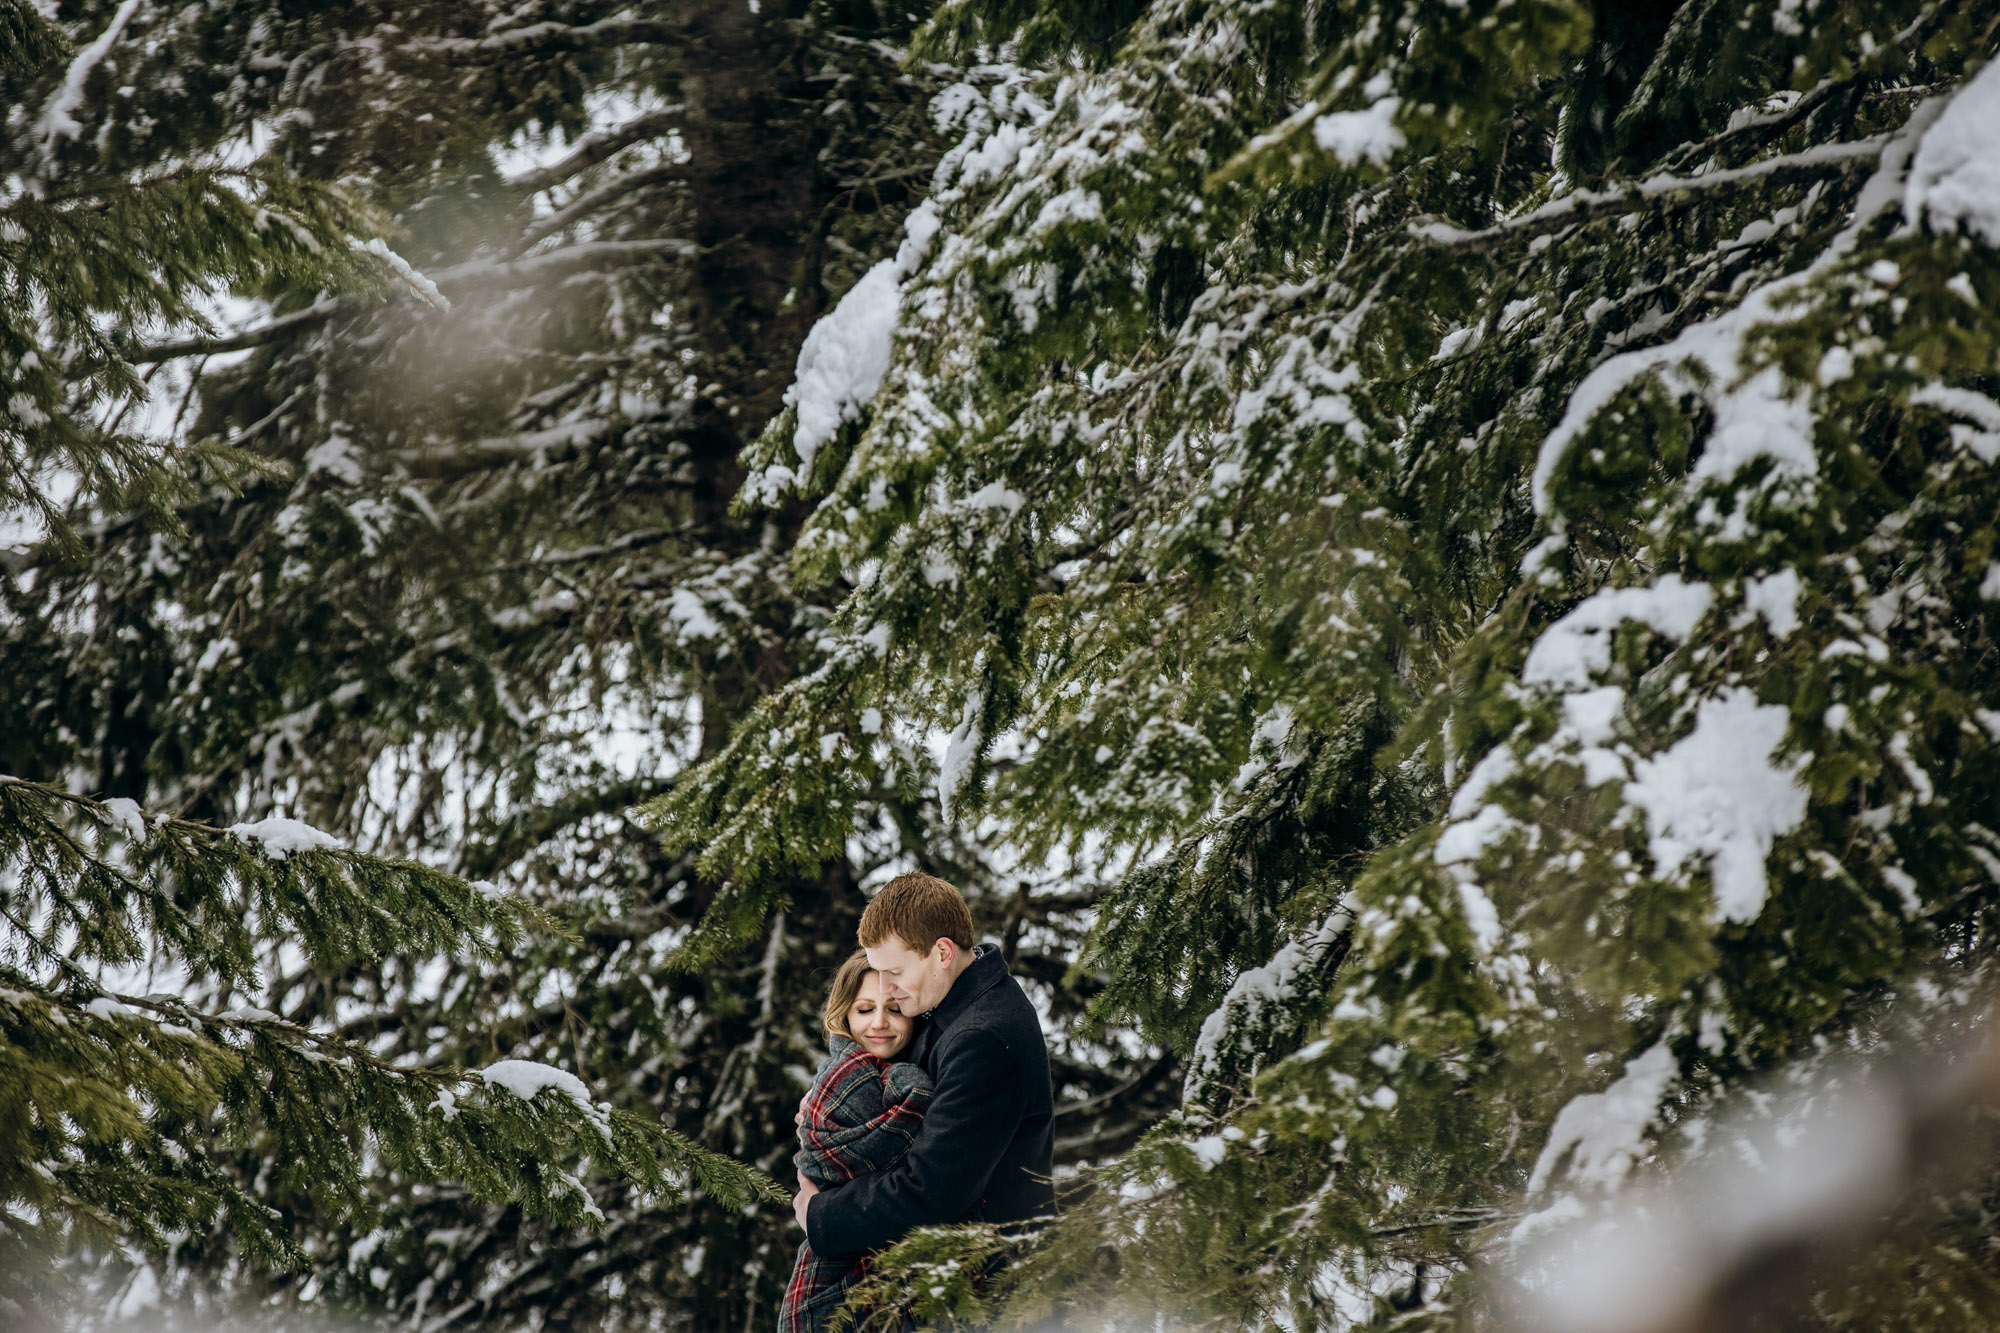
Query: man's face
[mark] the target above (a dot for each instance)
(915, 981)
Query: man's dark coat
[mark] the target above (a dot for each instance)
(986, 1148)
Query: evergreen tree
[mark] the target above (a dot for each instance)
(1484, 511)
(491, 528)
(123, 1110)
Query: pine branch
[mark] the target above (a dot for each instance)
(550, 38)
(317, 313)
(585, 256)
(1584, 206)
(597, 147)
(591, 200)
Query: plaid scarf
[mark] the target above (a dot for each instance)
(861, 1115)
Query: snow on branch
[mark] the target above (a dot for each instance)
(1590, 205)
(58, 119)
(507, 275)
(594, 148)
(591, 200)
(551, 38)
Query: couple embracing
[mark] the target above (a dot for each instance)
(934, 1105)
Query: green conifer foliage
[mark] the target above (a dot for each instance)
(125, 215)
(123, 1110)
(1487, 509)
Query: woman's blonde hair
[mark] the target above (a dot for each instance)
(840, 995)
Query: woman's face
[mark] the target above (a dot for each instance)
(878, 1025)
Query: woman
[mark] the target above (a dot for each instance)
(861, 1115)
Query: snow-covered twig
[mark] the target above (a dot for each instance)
(594, 148)
(1590, 205)
(591, 200)
(551, 37)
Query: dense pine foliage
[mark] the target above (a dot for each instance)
(1430, 565)
(1484, 511)
(430, 546)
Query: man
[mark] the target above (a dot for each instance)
(986, 1146)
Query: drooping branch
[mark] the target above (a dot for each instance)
(478, 275)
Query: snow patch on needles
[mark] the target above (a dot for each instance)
(961, 751)
(1578, 647)
(1716, 794)
(1955, 177)
(59, 115)
(843, 361)
(1602, 1133)
(420, 286)
(525, 1078)
(280, 837)
(126, 817)
(846, 356)
(1235, 1022)
(1355, 136)
(1776, 598)
(1758, 419)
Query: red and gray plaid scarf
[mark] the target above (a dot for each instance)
(861, 1115)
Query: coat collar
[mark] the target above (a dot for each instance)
(985, 972)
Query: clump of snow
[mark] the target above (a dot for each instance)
(1758, 419)
(126, 817)
(335, 457)
(1481, 917)
(843, 360)
(847, 353)
(1355, 136)
(995, 495)
(1495, 768)
(1602, 1132)
(919, 229)
(1074, 205)
(691, 617)
(1592, 713)
(1776, 598)
(1578, 647)
(1982, 439)
(280, 837)
(525, 1078)
(1717, 794)
(1468, 840)
(961, 751)
(1955, 176)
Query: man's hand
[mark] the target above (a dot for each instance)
(800, 1118)
(799, 1201)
